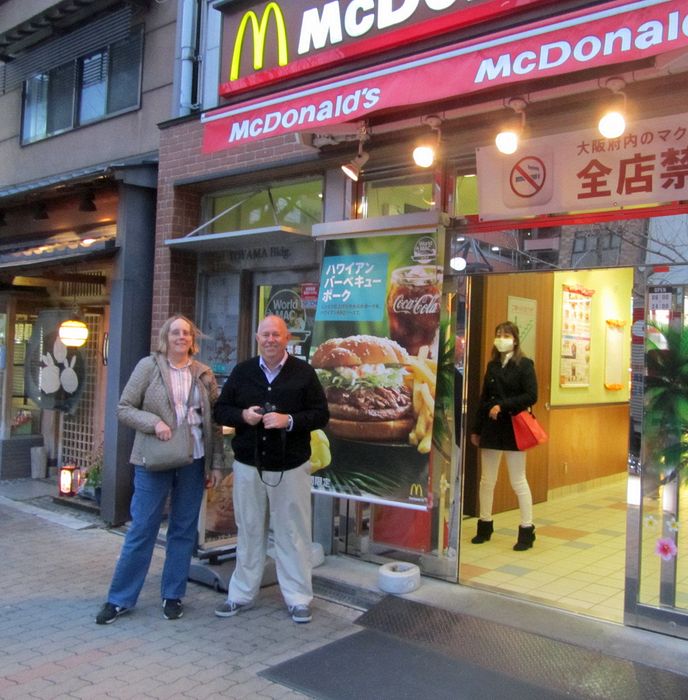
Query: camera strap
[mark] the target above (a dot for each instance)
(283, 440)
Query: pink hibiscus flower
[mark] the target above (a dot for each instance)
(666, 548)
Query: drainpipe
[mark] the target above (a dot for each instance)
(189, 21)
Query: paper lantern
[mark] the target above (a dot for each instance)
(73, 333)
(69, 480)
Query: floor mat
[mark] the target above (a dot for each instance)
(528, 657)
(371, 664)
(411, 650)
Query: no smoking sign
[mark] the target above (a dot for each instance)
(528, 177)
(527, 181)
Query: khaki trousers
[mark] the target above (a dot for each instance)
(286, 506)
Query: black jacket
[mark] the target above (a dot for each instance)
(296, 391)
(514, 388)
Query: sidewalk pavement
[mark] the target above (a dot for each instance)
(56, 567)
(54, 575)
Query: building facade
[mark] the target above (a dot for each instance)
(575, 234)
(82, 88)
(280, 138)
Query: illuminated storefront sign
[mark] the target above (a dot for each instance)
(582, 170)
(259, 32)
(271, 41)
(604, 35)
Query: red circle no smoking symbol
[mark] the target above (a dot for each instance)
(527, 177)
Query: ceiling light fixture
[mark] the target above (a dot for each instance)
(353, 169)
(612, 124)
(512, 131)
(425, 153)
(469, 258)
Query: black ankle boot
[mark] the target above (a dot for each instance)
(485, 529)
(526, 537)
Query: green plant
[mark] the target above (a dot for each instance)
(94, 475)
(666, 403)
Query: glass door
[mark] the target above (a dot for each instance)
(657, 572)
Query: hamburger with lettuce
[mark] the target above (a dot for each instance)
(365, 380)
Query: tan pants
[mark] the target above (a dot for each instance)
(287, 508)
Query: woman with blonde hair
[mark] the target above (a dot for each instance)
(509, 387)
(165, 390)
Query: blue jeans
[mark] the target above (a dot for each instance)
(186, 486)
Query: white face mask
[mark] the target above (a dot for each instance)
(504, 344)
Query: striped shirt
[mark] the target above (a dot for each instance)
(181, 380)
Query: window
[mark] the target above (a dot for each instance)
(84, 90)
(390, 196)
(597, 247)
(294, 204)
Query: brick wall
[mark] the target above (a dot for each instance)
(179, 211)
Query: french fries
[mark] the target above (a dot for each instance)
(424, 371)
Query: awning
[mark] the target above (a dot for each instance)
(59, 249)
(602, 35)
(264, 237)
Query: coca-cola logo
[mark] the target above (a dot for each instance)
(424, 304)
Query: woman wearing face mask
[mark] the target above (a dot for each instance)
(509, 387)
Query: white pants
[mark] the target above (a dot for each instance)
(287, 507)
(516, 463)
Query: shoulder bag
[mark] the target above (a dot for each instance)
(527, 431)
(160, 455)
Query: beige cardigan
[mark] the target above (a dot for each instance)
(147, 399)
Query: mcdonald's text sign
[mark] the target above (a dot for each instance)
(263, 43)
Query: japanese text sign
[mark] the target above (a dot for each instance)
(581, 170)
(353, 288)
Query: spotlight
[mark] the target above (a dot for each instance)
(353, 169)
(425, 152)
(507, 139)
(40, 211)
(86, 203)
(613, 121)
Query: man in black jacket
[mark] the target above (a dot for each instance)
(273, 401)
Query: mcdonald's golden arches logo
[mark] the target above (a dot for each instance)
(259, 31)
(416, 491)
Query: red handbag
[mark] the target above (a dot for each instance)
(527, 431)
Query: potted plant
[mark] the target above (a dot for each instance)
(94, 475)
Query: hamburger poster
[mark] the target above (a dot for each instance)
(378, 339)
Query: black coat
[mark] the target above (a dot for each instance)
(295, 391)
(514, 388)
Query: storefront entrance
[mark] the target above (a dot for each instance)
(578, 478)
(609, 348)
(608, 488)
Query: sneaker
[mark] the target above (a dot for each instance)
(300, 613)
(172, 608)
(109, 613)
(230, 608)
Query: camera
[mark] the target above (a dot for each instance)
(266, 408)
